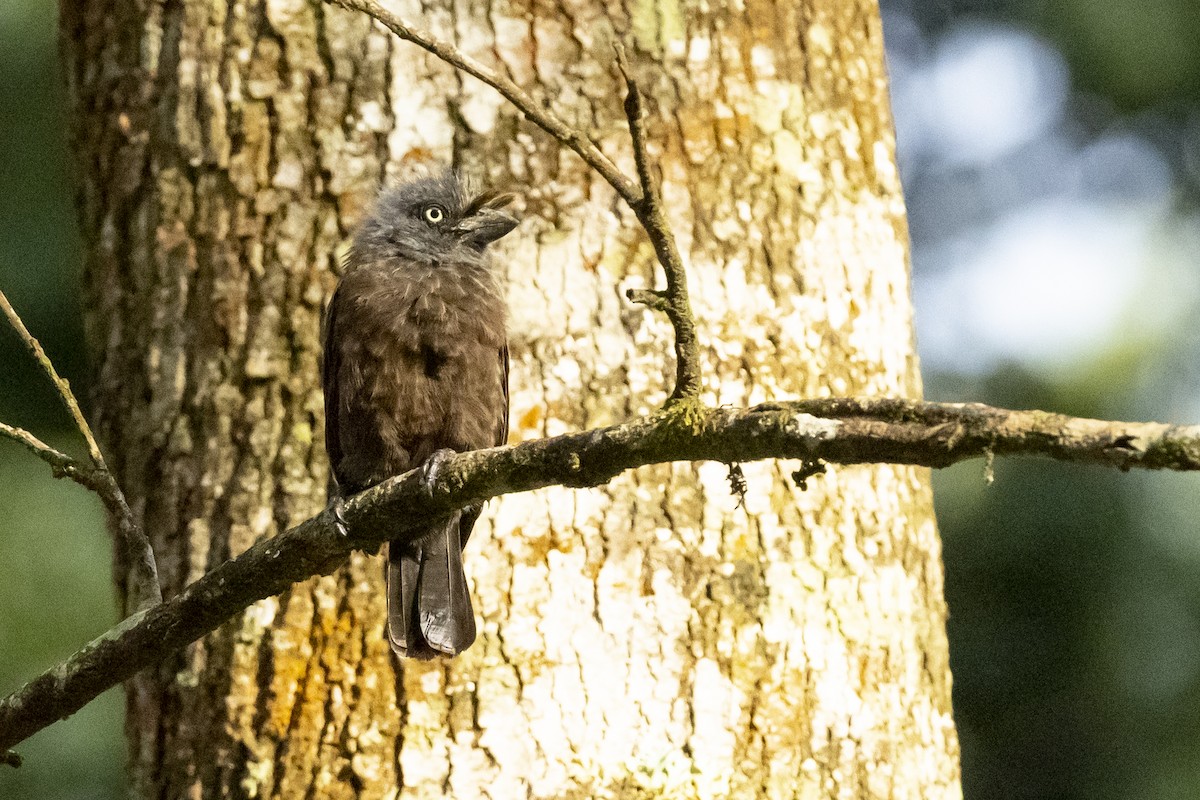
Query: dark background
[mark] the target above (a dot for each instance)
(1050, 152)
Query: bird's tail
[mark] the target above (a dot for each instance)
(428, 603)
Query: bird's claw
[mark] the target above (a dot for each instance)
(337, 507)
(432, 467)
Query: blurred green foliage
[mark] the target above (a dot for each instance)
(55, 594)
(55, 582)
(1138, 53)
(39, 243)
(1074, 592)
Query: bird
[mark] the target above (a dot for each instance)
(415, 368)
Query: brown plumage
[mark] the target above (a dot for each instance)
(415, 362)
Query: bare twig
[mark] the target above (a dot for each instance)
(835, 431)
(531, 108)
(643, 197)
(130, 537)
(674, 301)
(63, 465)
(651, 298)
(60, 384)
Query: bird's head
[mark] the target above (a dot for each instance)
(435, 218)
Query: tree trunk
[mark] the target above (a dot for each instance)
(650, 638)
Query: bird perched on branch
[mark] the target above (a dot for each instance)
(416, 367)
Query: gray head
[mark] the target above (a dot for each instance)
(434, 218)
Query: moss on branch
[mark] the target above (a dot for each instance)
(837, 431)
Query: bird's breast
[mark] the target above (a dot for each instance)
(455, 309)
(427, 309)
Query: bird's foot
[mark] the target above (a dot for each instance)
(432, 467)
(337, 507)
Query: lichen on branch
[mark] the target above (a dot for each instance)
(834, 431)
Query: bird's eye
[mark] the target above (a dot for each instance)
(433, 214)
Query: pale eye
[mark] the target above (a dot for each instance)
(434, 214)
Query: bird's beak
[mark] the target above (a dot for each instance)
(485, 226)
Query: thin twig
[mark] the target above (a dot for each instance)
(651, 298)
(850, 431)
(60, 384)
(63, 465)
(130, 537)
(650, 213)
(643, 196)
(536, 112)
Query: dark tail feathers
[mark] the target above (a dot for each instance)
(428, 603)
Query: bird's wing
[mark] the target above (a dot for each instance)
(471, 513)
(502, 430)
(330, 363)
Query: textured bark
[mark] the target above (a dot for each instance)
(649, 638)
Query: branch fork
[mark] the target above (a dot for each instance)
(96, 476)
(643, 196)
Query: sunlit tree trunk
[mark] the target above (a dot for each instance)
(655, 637)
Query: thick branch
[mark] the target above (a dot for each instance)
(98, 478)
(850, 431)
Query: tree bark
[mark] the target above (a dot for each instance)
(652, 637)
